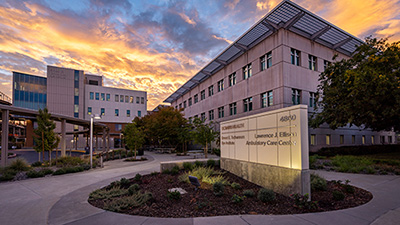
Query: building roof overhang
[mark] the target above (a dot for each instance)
(287, 15)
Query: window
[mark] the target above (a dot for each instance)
(390, 139)
(137, 100)
(142, 100)
(184, 104)
(248, 104)
(117, 98)
(295, 56)
(382, 139)
(232, 109)
(328, 139)
(312, 62)
(312, 139)
(211, 115)
(203, 116)
(353, 139)
(103, 97)
(139, 113)
(116, 112)
(128, 113)
(211, 90)
(266, 61)
(247, 71)
(221, 85)
(89, 110)
(232, 79)
(266, 99)
(102, 111)
(312, 99)
(221, 112)
(190, 101)
(363, 139)
(91, 95)
(131, 99)
(372, 139)
(296, 96)
(93, 82)
(203, 94)
(326, 64)
(121, 98)
(196, 98)
(118, 127)
(341, 139)
(97, 96)
(180, 105)
(107, 97)
(126, 98)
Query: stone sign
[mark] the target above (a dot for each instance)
(270, 149)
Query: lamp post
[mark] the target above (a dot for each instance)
(97, 117)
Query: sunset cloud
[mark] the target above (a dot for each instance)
(152, 47)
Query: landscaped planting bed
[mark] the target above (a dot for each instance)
(221, 193)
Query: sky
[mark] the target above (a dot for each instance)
(150, 45)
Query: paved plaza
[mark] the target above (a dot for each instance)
(63, 200)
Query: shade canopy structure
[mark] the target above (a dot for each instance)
(286, 15)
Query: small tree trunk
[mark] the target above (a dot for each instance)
(42, 146)
(135, 152)
(56, 155)
(205, 150)
(50, 157)
(39, 156)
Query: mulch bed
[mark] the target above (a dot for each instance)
(204, 203)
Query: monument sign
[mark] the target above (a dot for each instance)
(269, 149)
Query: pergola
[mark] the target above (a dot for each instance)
(6, 110)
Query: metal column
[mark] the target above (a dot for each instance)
(63, 138)
(4, 137)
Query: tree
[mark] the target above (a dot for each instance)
(363, 90)
(45, 138)
(134, 137)
(203, 133)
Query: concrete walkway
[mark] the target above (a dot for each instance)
(63, 200)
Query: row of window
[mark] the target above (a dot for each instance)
(116, 112)
(328, 139)
(295, 56)
(266, 101)
(118, 98)
(296, 97)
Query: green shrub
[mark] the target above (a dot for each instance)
(137, 177)
(312, 160)
(249, 193)
(216, 151)
(235, 186)
(211, 163)
(266, 195)
(188, 166)
(7, 174)
(213, 179)
(34, 174)
(36, 164)
(120, 204)
(166, 171)
(317, 183)
(237, 199)
(60, 172)
(19, 165)
(124, 182)
(46, 171)
(175, 170)
(338, 195)
(154, 173)
(184, 178)
(68, 170)
(218, 188)
(301, 201)
(198, 164)
(69, 161)
(133, 189)
(348, 188)
(87, 166)
(175, 195)
(107, 194)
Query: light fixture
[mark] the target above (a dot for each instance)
(97, 117)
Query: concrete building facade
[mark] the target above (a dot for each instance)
(275, 64)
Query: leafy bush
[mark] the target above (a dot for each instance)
(213, 179)
(218, 188)
(312, 160)
(124, 182)
(357, 150)
(216, 151)
(352, 164)
(68, 170)
(237, 199)
(36, 164)
(133, 189)
(317, 183)
(266, 195)
(137, 177)
(7, 174)
(19, 165)
(338, 195)
(188, 166)
(211, 163)
(107, 194)
(249, 193)
(166, 171)
(154, 173)
(184, 178)
(120, 204)
(69, 161)
(348, 188)
(235, 186)
(198, 164)
(175, 170)
(41, 173)
(175, 195)
(301, 201)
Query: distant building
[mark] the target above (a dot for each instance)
(275, 64)
(76, 94)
